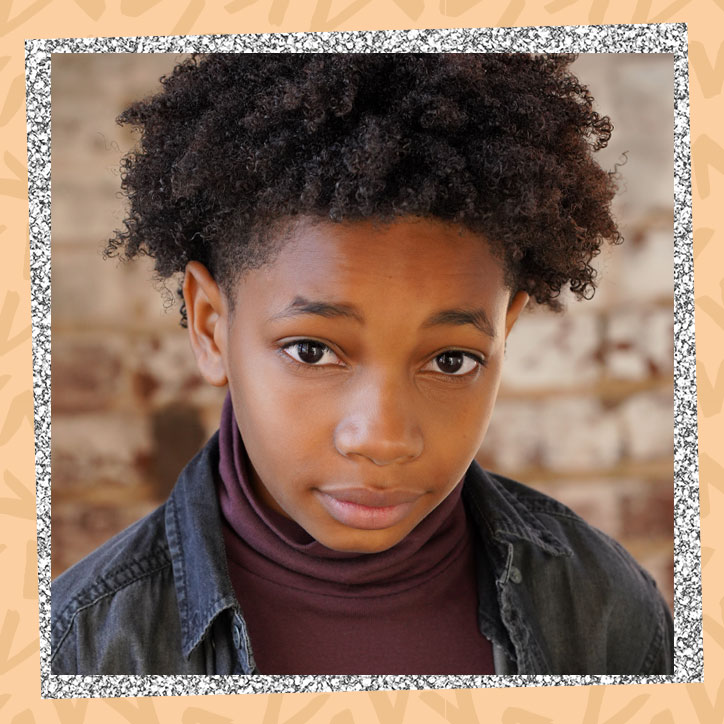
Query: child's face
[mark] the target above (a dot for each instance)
(353, 360)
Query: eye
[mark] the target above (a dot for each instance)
(454, 362)
(311, 352)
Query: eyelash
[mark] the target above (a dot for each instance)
(479, 361)
(298, 343)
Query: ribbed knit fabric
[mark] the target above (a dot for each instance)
(411, 609)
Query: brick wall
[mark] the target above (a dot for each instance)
(585, 411)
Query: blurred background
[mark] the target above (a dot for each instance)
(585, 412)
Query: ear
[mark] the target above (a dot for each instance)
(206, 313)
(516, 306)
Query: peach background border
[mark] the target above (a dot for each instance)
(20, 701)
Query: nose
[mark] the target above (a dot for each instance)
(380, 424)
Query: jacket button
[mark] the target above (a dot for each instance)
(515, 575)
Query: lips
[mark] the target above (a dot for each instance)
(372, 498)
(367, 508)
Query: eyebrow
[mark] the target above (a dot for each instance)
(300, 305)
(478, 318)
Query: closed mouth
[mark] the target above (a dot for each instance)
(371, 497)
(368, 508)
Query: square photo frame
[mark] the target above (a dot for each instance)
(636, 40)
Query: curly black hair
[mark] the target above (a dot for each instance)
(500, 144)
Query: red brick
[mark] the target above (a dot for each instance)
(648, 511)
(548, 350)
(578, 433)
(86, 372)
(640, 343)
(648, 425)
(99, 449)
(164, 369)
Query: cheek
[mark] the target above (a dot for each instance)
(282, 420)
(452, 446)
(455, 425)
(462, 426)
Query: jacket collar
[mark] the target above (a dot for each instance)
(505, 510)
(193, 530)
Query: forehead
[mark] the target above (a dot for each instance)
(409, 245)
(415, 263)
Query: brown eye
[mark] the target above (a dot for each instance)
(310, 352)
(454, 362)
(450, 362)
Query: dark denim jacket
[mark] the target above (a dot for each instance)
(555, 595)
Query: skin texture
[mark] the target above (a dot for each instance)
(363, 430)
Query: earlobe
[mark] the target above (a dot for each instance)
(206, 313)
(516, 306)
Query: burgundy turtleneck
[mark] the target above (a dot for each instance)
(411, 609)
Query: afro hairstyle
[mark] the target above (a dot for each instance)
(501, 144)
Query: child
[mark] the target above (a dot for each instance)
(358, 235)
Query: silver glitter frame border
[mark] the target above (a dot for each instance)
(653, 38)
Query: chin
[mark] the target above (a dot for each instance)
(352, 541)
